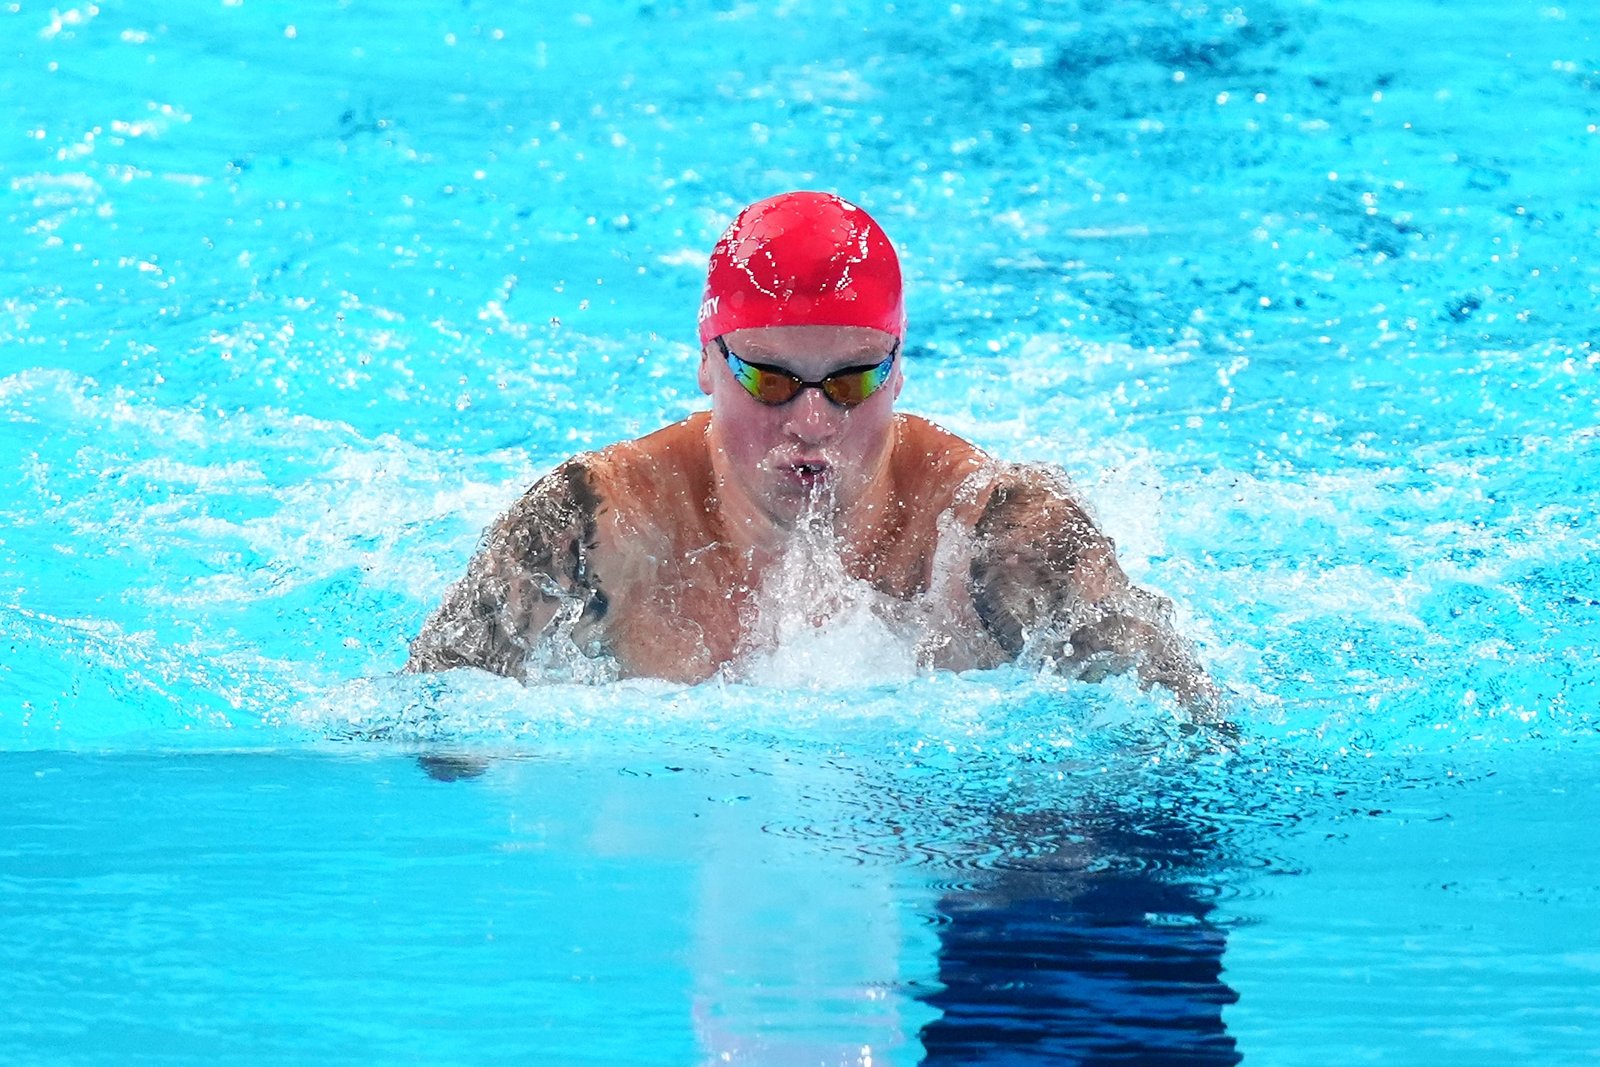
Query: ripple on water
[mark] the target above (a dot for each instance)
(965, 778)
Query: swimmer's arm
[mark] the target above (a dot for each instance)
(1043, 565)
(536, 566)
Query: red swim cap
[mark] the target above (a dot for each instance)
(803, 259)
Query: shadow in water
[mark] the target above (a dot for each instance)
(1100, 953)
(445, 767)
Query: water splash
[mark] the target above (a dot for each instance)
(816, 626)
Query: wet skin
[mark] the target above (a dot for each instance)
(653, 550)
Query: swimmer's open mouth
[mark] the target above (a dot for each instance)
(810, 471)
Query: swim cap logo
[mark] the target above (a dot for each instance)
(708, 308)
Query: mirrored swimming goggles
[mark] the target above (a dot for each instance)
(774, 385)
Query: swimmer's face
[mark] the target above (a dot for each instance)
(810, 448)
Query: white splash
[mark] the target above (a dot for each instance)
(817, 627)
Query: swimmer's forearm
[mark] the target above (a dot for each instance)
(1186, 679)
(1147, 644)
(433, 650)
(466, 632)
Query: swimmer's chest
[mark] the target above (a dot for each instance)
(674, 615)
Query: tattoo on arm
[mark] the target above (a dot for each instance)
(1045, 579)
(535, 570)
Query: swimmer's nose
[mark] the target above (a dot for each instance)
(812, 417)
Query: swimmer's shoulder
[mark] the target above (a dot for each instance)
(579, 496)
(659, 470)
(925, 438)
(979, 484)
(553, 521)
(1029, 499)
(646, 496)
(930, 456)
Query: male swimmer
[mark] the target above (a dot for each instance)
(652, 552)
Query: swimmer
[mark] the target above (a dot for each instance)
(651, 553)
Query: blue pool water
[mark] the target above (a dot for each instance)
(295, 298)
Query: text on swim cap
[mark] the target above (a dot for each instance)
(708, 307)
